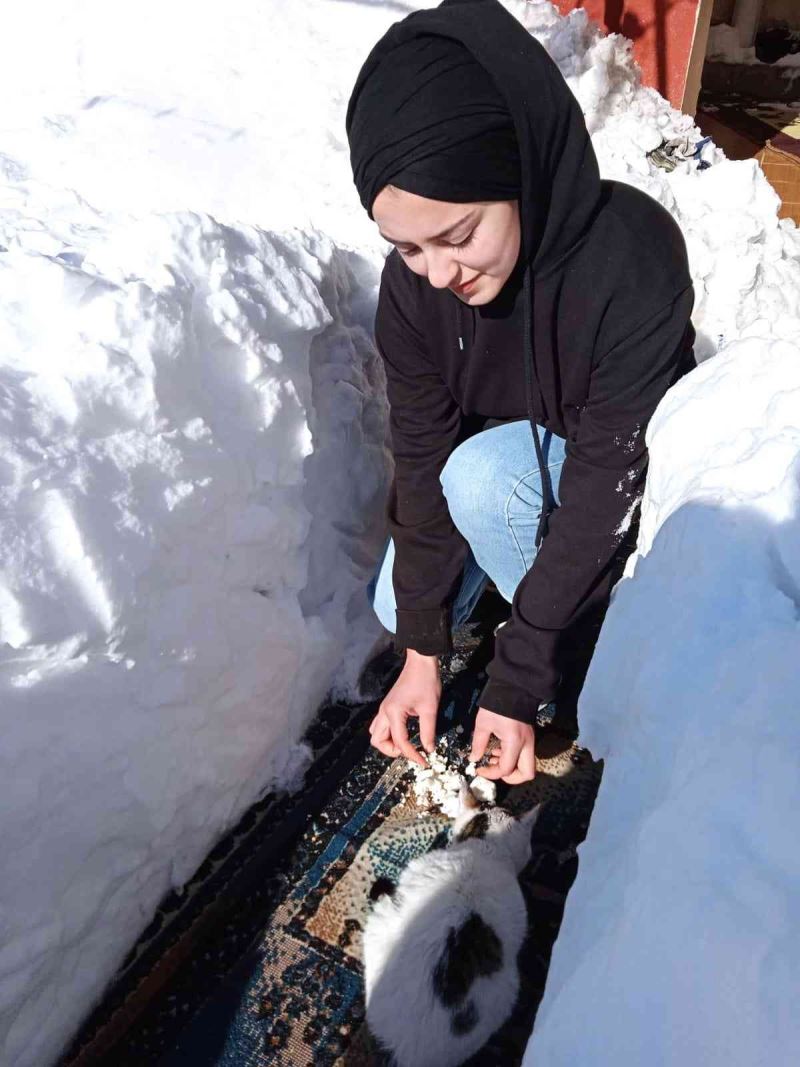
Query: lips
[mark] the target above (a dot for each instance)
(467, 286)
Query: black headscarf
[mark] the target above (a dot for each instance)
(421, 116)
(430, 120)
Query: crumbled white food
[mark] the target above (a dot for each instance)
(483, 789)
(437, 787)
(437, 762)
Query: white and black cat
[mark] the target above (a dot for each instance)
(440, 947)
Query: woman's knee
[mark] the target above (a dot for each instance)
(474, 482)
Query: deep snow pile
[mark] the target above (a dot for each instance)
(192, 434)
(192, 456)
(680, 939)
(193, 471)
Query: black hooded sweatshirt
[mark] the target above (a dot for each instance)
(584, 339)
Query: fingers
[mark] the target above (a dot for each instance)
(506, 764)
(516, 778)
(427, 728)
(525, 770)
(387, 748)
(509, 755)
(379, 727)
(526, 764)
(480, 739)
(380, 736)
(487, 772)
(411, 753)
(397, 721)
(388, 733)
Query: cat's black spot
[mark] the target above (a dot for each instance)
(472, 950)
(478, 826)
(381, 887)
(465, 1019)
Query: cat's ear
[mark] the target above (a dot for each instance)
(529, 818)
(474, 828)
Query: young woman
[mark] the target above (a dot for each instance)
(531, 317)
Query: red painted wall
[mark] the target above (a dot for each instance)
(662, 32)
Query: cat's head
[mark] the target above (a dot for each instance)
(496, 827)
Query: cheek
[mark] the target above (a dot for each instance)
(510, 251)
(486, 257)
(511, 239)
(497, 259)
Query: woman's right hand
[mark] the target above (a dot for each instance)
(416, 692)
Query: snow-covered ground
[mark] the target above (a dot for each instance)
(193, 464)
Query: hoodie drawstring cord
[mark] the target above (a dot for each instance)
(548, 499)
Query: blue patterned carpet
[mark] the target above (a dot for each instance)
(258, 962)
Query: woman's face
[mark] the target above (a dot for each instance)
(452, 245)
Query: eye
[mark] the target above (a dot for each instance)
(456, 244)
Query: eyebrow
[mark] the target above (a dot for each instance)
(438, 237)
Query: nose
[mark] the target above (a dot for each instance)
(442, 269)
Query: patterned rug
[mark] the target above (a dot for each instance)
(303, 1005)
(260, 964)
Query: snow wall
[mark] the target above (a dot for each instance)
(193, 453)
(681, 938)
(193, 456)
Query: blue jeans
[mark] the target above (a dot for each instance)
(493, 490)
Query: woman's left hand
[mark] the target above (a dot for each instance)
(513, 759)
